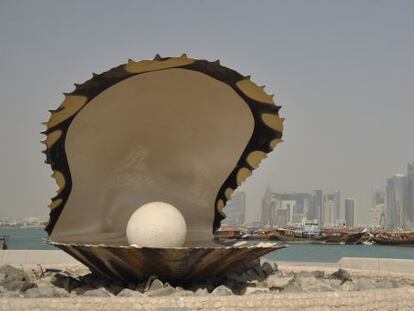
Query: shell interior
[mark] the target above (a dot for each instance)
(184, 131)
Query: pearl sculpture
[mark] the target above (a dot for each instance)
(156, 224)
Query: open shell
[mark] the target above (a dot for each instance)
(184, 131)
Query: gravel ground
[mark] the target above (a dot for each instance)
(379, 299)
(259, 286)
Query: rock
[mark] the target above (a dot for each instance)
(247, 266)
(387, 283)
(252, 264)
(365, 284)
(259, 272)
(334, 284)
(182, 293)
(13, 279)
(267, 268)
(64, 281)
(81, 289)
(239, 278)
(343, 275)
(252, 275)
(115, 288)
(9, 273)
(310, 274)
(255, 290)
(292, 288)
(277, 282)
(164, 291)
(28, 285)
(201, 292)
(91, 280)
(42, 292)
(310, 284)
(221, 291)
(153, 283)
(126, 292)
(99, 292)
(348, 286)
(15, 285)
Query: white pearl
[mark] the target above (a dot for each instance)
(156, 224)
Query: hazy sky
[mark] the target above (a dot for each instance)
(343, 72)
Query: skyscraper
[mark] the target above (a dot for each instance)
(316, 206)
(377, 210)
(332, 208)
(329, 209)
(350, 212)
(410, 186)
(280, 209)
(337, 210)
(267, 217)
(235, 209)
(396, 201)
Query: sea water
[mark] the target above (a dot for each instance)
(33, 238)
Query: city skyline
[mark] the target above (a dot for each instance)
(391, 207)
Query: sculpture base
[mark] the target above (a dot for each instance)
(180, 264)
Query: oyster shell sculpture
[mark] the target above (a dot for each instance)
(178, 130)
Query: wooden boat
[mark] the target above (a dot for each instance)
(394, 239)
(289, 236)
(345, 238)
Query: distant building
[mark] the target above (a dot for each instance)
(268, 210)
(377, 210)
(331, 208)
(235, 210)
(410, 194)
(280, 209)
(337, 210)
(350, 212)
(316, 207)
(396, 201)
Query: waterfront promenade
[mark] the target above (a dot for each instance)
(399, 299)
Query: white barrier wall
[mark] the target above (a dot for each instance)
(31, 257)
(379, 264)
